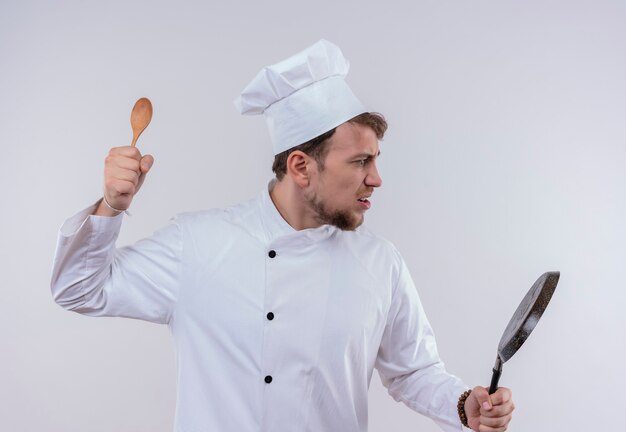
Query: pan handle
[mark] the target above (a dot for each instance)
(497, 371)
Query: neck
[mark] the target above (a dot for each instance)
(289, 200)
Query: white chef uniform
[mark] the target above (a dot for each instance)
(274, 329)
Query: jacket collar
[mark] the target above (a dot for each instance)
(276, 228)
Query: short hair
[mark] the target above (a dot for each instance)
(317, 148)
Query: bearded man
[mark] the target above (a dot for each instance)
(282, 306)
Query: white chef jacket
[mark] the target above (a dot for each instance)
(274, 329)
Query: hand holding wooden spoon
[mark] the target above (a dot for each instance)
(125, 168)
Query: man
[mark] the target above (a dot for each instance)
(280, 307)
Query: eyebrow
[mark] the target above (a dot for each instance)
(367, 155)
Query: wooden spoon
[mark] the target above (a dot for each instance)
(140, 117)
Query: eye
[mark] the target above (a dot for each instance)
(361, 162)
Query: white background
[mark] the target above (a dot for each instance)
(504, 159)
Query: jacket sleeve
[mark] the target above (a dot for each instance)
(90, 276)
(409, 364)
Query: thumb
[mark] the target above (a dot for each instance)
(146, 163)
(482, 397)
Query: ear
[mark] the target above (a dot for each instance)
(299, 166)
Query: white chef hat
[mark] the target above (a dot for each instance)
(303, 96)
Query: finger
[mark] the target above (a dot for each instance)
(499, 410)
(128, 171)
(482, 398)
(146, 163)
(128, 151)
(125, 174)
(501, 396)
(483, 428)
(496, 422)
(142, 177)
(121, 161)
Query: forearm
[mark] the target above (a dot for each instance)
(85, 249)
(430, 391)
(90, 276)
(408, 361)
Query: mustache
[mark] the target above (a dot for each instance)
(368, 191)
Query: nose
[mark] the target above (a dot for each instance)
(373, 178)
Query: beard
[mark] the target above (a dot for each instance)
(344, 220)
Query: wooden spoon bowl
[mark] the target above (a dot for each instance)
(140, 117)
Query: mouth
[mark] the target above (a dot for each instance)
(364, 202)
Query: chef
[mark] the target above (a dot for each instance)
(280, 307)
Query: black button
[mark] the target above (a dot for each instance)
(268, 379)
(270, 316)
(272, 253)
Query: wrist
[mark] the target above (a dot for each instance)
(105, 209)
(460, 406)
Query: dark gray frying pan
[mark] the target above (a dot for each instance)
(523, 322)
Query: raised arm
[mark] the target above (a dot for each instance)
(92, 277)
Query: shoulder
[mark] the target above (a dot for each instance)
(229, 215)
(366, 240)
(372, 250)
(240, 218)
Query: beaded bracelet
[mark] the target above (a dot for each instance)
(460, 407)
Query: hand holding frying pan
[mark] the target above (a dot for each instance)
(523, 322)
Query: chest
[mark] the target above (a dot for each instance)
(316, 294)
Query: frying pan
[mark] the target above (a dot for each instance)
(524, 321)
